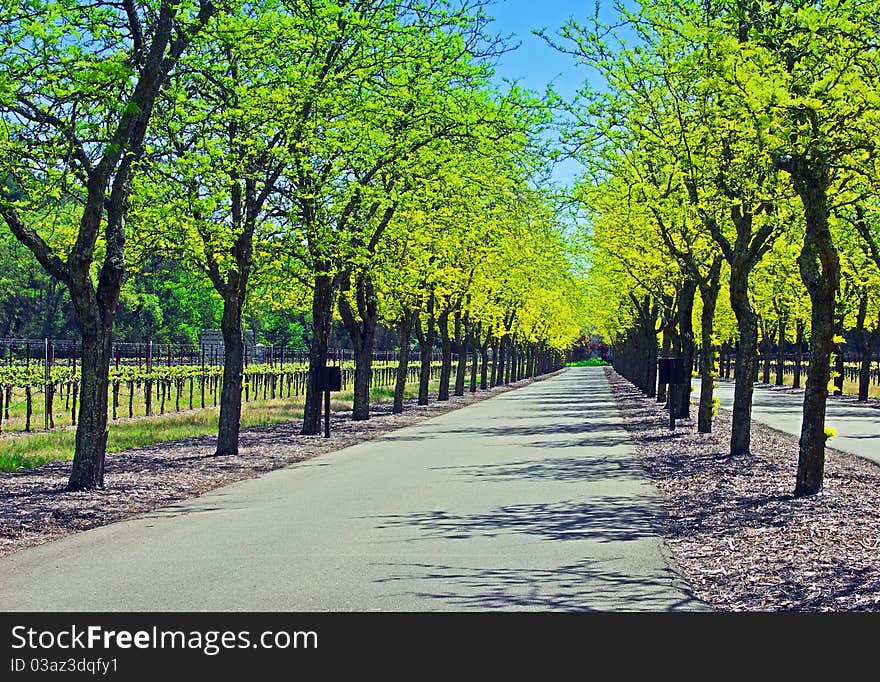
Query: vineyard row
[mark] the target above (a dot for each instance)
(156, 393)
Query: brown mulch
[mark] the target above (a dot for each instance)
(734, 527)
(34, 508)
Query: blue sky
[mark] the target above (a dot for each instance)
(534, 63)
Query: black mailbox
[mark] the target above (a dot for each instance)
(671, 370)
(330, 379)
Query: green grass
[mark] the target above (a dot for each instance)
(25, 451)
(592, 362)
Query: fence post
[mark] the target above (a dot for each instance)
(148, 383)
(46, 375)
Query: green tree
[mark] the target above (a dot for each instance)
(76, 114)
(223, 138)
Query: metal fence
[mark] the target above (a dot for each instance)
(148, 354)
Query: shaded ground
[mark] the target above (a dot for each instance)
(35, 509)
(740, 537)
(533, 500)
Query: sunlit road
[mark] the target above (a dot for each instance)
(529, 500)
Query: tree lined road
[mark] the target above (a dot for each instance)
(530, 500)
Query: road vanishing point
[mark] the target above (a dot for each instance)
(530, 500)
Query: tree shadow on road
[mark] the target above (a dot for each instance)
(602, 519)
(511, 431)
(568, 469)
(590, 585)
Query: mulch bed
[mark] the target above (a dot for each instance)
(34, 508)
(734, 527)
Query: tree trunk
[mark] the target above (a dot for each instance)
(839, 369)
(686, 339)
(766, 354)
(462, 342)
(484, 366)
(643, 367)
(502, 360)
(667, 350)
(709, 294)
(474, 364)
(233, 374)
(446, 346)
(363, 375)
(404, 331)
(800, 329)
(820, 270)
(361, 327)
(426, 348)
(811, 461)
(746, 361)
(96, 309)
(322, 307)
(731, 356)
(91, 429)
(864, 375)
(780, 352)
(866, 347)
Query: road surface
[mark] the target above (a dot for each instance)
(530, 500)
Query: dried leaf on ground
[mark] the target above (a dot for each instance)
(735, 528)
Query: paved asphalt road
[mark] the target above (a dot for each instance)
(530, 500)
(858, 426)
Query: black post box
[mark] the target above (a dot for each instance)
(330, 379)
(671, 371)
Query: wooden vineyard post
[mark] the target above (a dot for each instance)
(51, 396)
(72, 388)
(46, 377)
(73, 402)
(215, 383)
(202, 382)
(116, 384)
(4, 404)
(148, 392)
